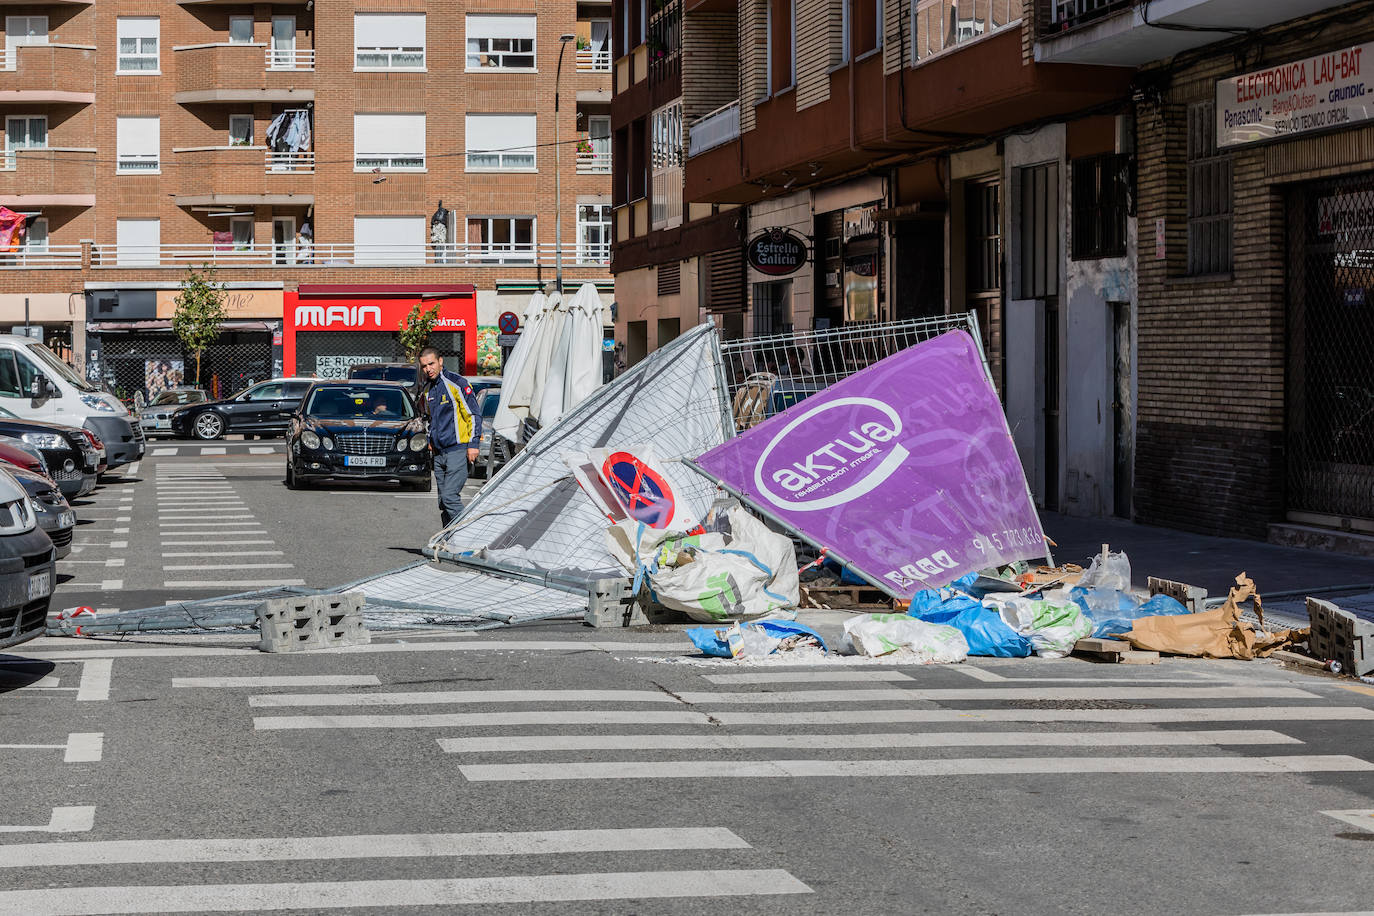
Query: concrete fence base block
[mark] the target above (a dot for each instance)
(300, 624)
(1340, 635)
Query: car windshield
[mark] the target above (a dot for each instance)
(359, 402)
(489, 403)
(49, 358)
(177, 397)
(384, 373)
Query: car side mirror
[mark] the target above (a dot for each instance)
(39, 390)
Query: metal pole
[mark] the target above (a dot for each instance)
(558, 175)
(27, 332)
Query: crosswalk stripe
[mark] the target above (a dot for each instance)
(230, 583)
(184, 567)
(201, 542)
(704, 698)
(817, 717)
(797, 677)
(222, 553)
(261, 450)
(526, 743)
(974, 766)
(212, 451)
(391, 894)
(381, 846)
(284, 680)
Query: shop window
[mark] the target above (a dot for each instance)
(772, 310)
(388, 41)
(500, 42)
(500, 142)
(1209, 195)
(138, 40)
(1100, 200)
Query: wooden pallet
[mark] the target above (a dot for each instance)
(1115, 650)
(855, 596)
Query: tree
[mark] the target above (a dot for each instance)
(199, 313)
(415, 330)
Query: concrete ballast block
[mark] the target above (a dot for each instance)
(298, 624)
(1340, 635)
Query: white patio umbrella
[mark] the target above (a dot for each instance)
(517, 375)
(584, 333)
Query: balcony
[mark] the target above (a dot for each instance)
(48, 73)
(44, 257)
(1116, 32)
(715, 129)
(327, 256)
(942, 25)
(594, 157)
(591, 61)
(51, 177)
(243, 175)
(253, 72)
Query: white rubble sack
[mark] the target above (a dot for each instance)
(924, 643)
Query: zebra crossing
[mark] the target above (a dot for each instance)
(203, 451)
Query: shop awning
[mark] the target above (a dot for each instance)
(165, 324)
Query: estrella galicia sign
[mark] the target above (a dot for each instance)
(777, 252)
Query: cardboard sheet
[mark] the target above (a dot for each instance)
(1219, 633)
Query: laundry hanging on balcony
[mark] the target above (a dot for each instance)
(11, 229)
(289, 131)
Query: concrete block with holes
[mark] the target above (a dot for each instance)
(303, 623)
(1340, 635)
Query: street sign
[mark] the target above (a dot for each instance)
(509, 323)
(645, 495)
(33, 330)
(507, 340)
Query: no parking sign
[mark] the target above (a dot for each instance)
(631, 483)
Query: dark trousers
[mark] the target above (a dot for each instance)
(450, 473)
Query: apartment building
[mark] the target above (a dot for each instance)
(335, 163)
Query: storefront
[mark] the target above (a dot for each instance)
(327, 329)
(52, 318)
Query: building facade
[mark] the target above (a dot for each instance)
(343, 147)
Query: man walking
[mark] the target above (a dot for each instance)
(455, 429)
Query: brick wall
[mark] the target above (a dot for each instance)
(710, 64)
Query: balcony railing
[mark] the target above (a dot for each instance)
(390, 162)
(300, 163)
(45, 257)
(290, 59)
(137, 163)
(945, 24)
(298, 255)
(593, 162)
(712, 130)
(591, 61)
(1068, 14)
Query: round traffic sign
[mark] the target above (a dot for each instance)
(509, 322)
(643, 493)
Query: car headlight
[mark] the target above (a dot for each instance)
(96, 403)
(419, 442)
(35, 505)
(328, 443)
(402, 443)
(45, 440)
(310, 440)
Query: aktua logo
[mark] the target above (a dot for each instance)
(348, 316)
(793, 473)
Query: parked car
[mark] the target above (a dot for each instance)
(18, 453)
(72, 461)
(262, 409)
(156, 418)
(491, 452)
(27, 566)
(55, 514)
(408, 373)
(36, 384)
(353, 428)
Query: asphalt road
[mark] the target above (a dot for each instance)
(558, 769)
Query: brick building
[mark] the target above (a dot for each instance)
(397, 151)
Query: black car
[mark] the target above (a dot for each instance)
(358, 429)
(27, 571)
(54, 515)
(262, 409)
(386, 372)
(73, 462)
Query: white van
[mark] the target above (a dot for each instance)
(37, 385)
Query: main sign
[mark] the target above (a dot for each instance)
(777, 252)
(1298, 97)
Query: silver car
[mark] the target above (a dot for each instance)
(156, 418)
(55, 515)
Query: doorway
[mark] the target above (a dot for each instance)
(283, 240)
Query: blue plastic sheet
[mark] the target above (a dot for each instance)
(1121, 620)
(982, 627)
(711, 641)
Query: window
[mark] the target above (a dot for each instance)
(393, 142)
(501, 239)
(23, 30)
(782, 45)
(1101, 192)
(284, 56)
(137, 144)
(773, 308)
(137, 241)
(35, 235)
(665, 205)
(939, 25)
(241, 130)
(1037, 238)
(24, 133)
(138, 37)
(240, 30)
(840, 55)
(500, 142)
(593, 233)
(500, 42)
(242, 229)
(1209, 195)
(389, 41)
(389, 239)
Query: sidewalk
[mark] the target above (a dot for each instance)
(1210, 562)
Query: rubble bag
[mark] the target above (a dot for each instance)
(1053, 624)
(718, 641)
(984, 631)
(1113, 624)
(924, 643)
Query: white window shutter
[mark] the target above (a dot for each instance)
(388, 30)
(388, 134)
(486, 26)
(505, 132)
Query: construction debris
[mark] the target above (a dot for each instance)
(1219, 633)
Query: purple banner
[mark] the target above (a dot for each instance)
(906, 469)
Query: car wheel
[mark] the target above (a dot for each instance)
(291, 483)
(207, 425)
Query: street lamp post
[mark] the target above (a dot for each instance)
(558, 170)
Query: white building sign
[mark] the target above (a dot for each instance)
(1298, 97)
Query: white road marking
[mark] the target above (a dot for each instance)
(182, 520)
(803, 719)
(104, 585)
(66, 819)
(595, 887)
(261, 450)
(289, 680)
(789, 677)
(95, 679)
(257, 529)
(973, 766)
(230, 583)
(212, 451)
(1362, 819)
(704, 698)
(520, 744)
(160, 452)
(125, 650)
(84, 747)
(223, 553)
(206, 568)
(379, 846)
(133, 468)
(201, 542)
(118, 545)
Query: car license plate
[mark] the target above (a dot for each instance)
(40, 584)
(365, 461)
(66, 519)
